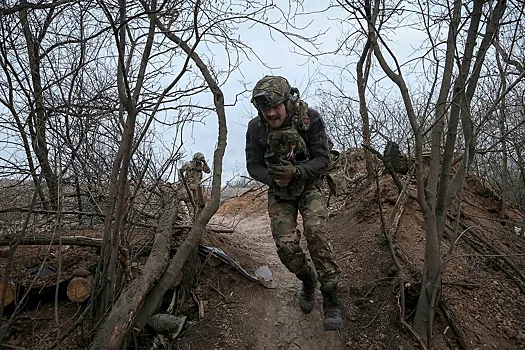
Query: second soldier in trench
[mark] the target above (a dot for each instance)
(287, 149)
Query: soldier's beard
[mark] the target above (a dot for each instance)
(275, 122)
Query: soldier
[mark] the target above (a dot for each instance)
(287, 149)
(192, 173)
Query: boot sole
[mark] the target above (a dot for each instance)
(333, 326)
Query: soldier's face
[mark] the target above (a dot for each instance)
(275, 115)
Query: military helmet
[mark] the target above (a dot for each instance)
(270, 91)
(198, 156)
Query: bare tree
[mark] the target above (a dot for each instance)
(362, 78)
(201, 22)
(459, 66)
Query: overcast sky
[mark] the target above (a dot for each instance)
(279, 54)
(276, 52)
(280, 57)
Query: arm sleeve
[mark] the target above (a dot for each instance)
(317, 144)
(255, 163)
(184, 167)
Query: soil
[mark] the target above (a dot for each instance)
(240, 314)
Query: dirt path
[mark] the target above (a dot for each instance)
(272, 317)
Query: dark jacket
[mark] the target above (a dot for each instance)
(316, 142)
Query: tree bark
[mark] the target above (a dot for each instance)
(37, 119)
(191, 242)
(362, 78)
(122, 315)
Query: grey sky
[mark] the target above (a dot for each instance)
(280, 58)
(280, 54)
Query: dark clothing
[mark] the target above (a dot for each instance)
(315, 138)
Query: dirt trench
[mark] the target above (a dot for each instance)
(260, 318)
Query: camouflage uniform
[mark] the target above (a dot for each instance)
(283, 215)
(301, 195)
(192, 172)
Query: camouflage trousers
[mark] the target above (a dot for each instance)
(283, 214)
(198, 198)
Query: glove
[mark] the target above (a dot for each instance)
(284, 171)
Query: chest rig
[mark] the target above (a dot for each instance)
(287, 143)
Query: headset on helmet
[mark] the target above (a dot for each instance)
(272, 90)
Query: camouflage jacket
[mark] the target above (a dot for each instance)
(192, 172)
(316, 142)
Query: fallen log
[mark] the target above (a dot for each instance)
(9, 289)
(67, 240)
(79, 289)
(83, 241)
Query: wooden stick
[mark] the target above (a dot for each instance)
(42, 211)
(457, 328)
(67, 240)
(83, 241)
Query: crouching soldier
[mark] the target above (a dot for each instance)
(287, 149)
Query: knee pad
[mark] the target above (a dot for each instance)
(292, 257)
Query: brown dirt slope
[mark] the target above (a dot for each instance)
(485, 300)
(483, 285)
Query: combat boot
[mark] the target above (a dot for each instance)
(307, 296)
(332, 312)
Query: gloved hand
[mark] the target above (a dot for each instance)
(284, 171)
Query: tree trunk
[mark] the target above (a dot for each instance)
(191, 242)
(37, 118)
(431, 272)
(29, 157)
(108, 273)
(463, 92)
(122, 315)
(503, 137)
(362, 78)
